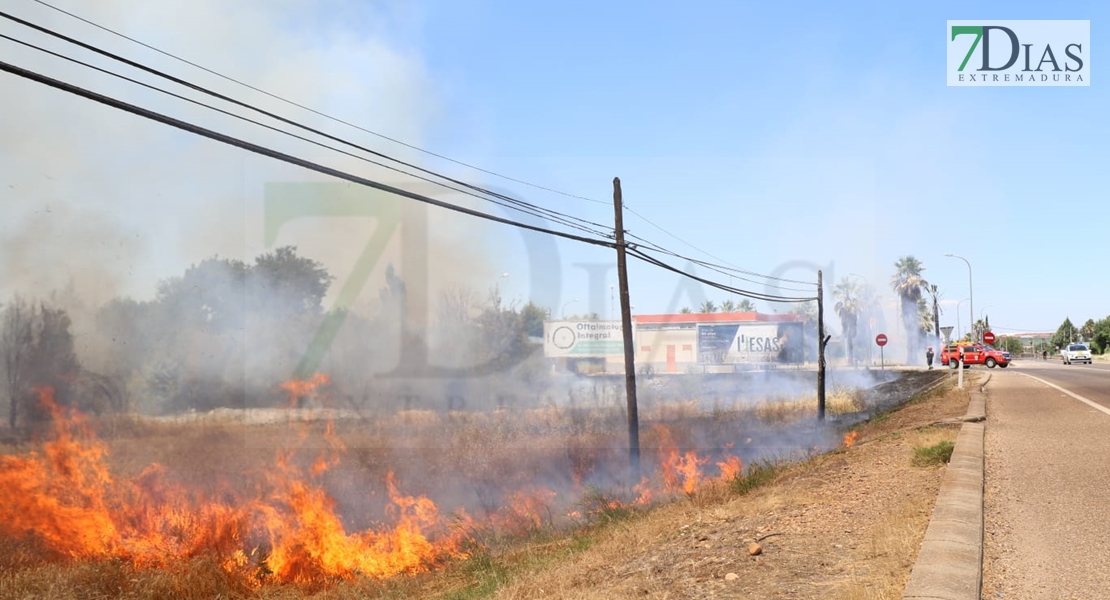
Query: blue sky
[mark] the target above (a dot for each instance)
(768, 134)
(780, 139)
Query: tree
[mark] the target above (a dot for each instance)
(15, 346)
(38, 353)
(934, 294)
(847, 308)
(283, 283)
(1065, 334)
(1100, 340)
(218, 293)
(1088, 330)
(908, 283)
(745, 305)
(533, 316)
(210, 295)
(728, 306)
(924, 316)
(1010, 344)
(708, 307)
(685, 310)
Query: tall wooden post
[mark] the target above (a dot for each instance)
(820, 348)
(626, 327)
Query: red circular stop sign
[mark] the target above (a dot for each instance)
(880, 339)
(988, 338)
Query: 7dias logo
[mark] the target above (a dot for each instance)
(1029, 53)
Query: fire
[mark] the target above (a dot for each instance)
(304, 388)
(526, 510)
(850, 438)
(730, 467)
(680, 472)
(643, 492)
(67, 502)
(310, 544)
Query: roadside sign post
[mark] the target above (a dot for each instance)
(960, 377)
(881, 341)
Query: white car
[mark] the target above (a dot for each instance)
(1076, 353)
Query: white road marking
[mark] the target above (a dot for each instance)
(1090, 403)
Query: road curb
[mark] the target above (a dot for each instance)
(949, 563)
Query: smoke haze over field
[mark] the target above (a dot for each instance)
(112, 203)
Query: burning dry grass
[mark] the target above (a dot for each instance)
(231, 511)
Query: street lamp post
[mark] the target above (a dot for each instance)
(563, 311)
(869, 336)
(982, 312)
(958, 336)
(970, 291)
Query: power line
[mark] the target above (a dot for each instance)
(527, 208)
(726, 270)
(316, 112)
(257, 149)
(428, 152)
(736, 268)
(302, 138)
(554, 215)
(726, 288)
(245, 145)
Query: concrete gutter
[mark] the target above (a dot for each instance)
(950, 562)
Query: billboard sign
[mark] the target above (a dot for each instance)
(744, 343)
(582, 339)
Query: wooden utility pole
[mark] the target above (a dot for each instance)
(626, 327)
(820, 349)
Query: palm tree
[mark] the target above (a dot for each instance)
(934, 294)
(847, 308)
(908, 283)
(924, 316)
(685, 310)
(745, 305)
(728, 306)
(708, 307)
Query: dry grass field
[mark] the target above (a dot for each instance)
(507, 504)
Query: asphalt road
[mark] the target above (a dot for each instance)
(1047, 482)
(1091, 381)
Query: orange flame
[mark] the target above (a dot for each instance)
(850, 438)
(730, 467)
(680, 472)
(526, 510)
(304, 388)
(67, 501)
(643, 492)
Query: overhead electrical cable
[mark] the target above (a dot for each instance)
(413, 147)
(732, 273)
(271, 127)
(554, 215)
(316, 112)
(257, 149)
(525, 207)
(720, 286)
(300, 162)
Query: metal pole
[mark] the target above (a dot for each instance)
(971, 297)
(626, 326)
